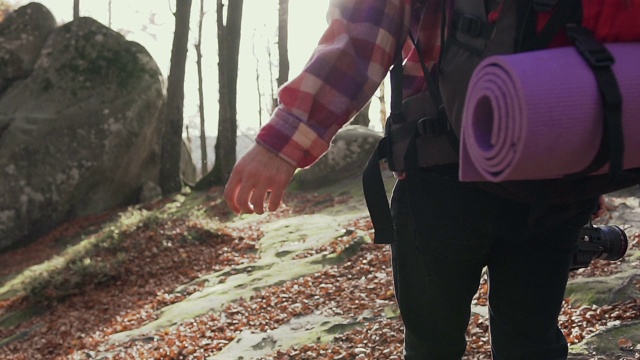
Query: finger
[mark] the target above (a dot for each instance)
(275, 198)
(231, 192)
(242, 198)
(258, 199)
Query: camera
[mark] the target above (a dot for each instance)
(602, 242)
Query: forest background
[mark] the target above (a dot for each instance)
(295, 25)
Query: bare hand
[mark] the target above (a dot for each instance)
(259, 176)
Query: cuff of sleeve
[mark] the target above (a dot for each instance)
(290, 138)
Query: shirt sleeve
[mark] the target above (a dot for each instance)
(346, 68)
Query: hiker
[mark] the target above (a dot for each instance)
(451, 230)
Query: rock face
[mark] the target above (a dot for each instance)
(22, 35)
(80, 134)
(347, 156)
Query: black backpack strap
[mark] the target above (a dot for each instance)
(375, 193)
(395, 77)
(441, 124)
(600, 61)
(544, 5)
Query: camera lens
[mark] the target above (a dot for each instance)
(614, 243)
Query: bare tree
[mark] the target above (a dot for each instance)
(283, 42)
(253, 49)
(173, 112)
(228, 53)
(383, 105)
(274, 99)
(76, 9)
(110, 8)
(283, 49)
(203, 136)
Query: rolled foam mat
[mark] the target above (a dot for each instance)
(539, 115)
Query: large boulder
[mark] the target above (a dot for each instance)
(347, 156)
(81, 134)
(22, 35)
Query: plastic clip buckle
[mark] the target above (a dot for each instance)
(469, 24)
(431, 126)
(595, 53)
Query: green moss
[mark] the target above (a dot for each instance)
(99, 62)
(590, 292)
(46, 85)
(78, 266)
(606, 342)
(13, 319)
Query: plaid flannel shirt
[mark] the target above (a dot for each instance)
(351, 60)
(358, 49)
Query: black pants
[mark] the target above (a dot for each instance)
(442, 248)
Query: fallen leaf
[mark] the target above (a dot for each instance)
(625, 344)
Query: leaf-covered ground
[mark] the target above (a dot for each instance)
(65, 295)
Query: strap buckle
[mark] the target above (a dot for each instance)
(432, 126)
(470, 25)
(594, 52)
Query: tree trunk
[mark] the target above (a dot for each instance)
(173, 112)
(228, 53)
(362, 118)
(253, 48)
(283, 46)
(274, 97)
(204, 167)
(76, 9)
(283, 42)
(383, 105)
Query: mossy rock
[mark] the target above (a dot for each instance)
(603, 290)
(347, 156)
(16, 318)
(605, 343)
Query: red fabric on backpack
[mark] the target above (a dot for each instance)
(613, 20)
(610, 20)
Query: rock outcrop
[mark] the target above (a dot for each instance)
(22, 35)
(80, 134)
(347, 156)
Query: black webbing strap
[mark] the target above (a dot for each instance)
(600, 61)
(544, 5)
(441, 124)
(434, 91)
(375, 193)
(443, 29)
(525, 24)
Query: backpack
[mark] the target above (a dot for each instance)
(424, 130)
